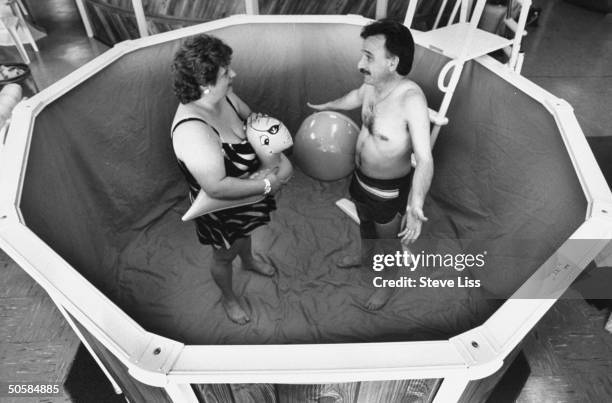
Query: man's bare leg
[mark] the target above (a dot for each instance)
(364, 257)
(349, 261)
(358, 260)
(388, 234)
(248, 261)
(222, 275)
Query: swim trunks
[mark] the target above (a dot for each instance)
(379, 200)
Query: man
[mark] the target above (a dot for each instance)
(388, 194)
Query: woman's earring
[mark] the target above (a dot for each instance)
(206, 91)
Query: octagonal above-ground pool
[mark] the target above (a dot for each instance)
(92, 200)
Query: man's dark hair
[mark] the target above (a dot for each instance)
(398, 41)
(196, 64)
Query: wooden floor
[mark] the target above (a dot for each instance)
(570, 355)
(37, 345)
(569, 352)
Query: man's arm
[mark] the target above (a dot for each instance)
(352, 100)
(418, 125)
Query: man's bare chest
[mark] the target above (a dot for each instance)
(383, 124)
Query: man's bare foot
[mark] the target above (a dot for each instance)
(348, 262)
(378, 299)
(263, 269)
(234, 311)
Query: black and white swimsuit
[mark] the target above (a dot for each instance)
(223, 227)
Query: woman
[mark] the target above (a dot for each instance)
(211, 147)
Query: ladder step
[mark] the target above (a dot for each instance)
(436, 119)
(348, 207)
(513, 25)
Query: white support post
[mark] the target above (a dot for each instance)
(455, 68)
(24, 11)
(440, 12)
(16, 8)
(463, 14)
(519, 62)
(451, 389)
(410, 12)
(140, 18)
(518, 35)
(84, 18)
(251, 7)
(476, 14)
(458, 64)
(11, 28)
(381, 9)
(453, 15)
(181, 393)
(76, 330)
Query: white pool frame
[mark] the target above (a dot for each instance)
(472, 355)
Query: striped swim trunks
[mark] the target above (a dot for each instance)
(379, 200)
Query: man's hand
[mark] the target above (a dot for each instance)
(318, 107)
(411, 225)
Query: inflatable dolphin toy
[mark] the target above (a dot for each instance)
(269, 137)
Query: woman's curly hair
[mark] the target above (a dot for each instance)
(196, 64)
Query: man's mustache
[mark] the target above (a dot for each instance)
(364, 71)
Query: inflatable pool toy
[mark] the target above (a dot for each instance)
(269, 138)
(325, 145)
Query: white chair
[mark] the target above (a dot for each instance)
(10, 24)
(462, 18)
(462, 41)
(13, 20)
(515, 56)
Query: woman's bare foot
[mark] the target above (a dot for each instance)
(348, 262)
(378, 299)
(263, 269)
(234, 311)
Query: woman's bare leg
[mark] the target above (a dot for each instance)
(248, 261)
(222, 275)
